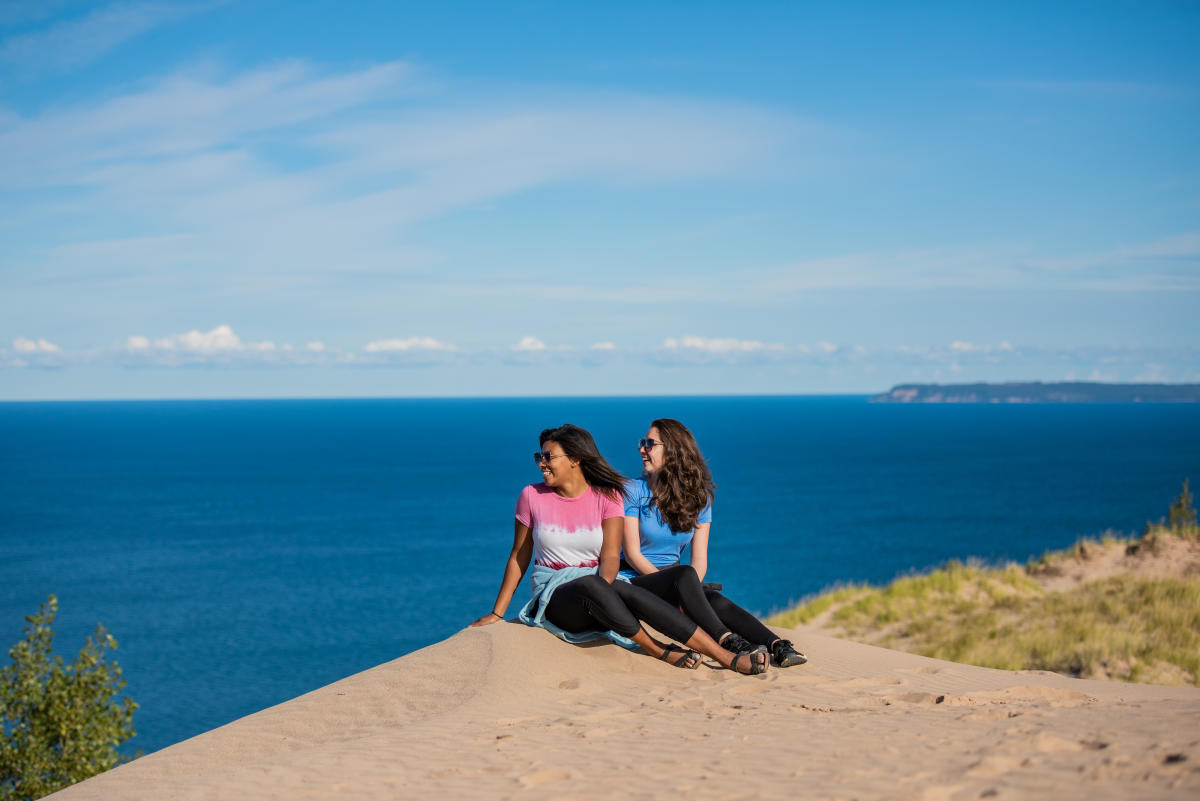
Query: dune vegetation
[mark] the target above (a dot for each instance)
(1124, 608)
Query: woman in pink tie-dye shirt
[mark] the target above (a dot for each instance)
(570, 526)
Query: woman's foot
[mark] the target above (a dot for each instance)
(680, 657)
(784, 654)
(751, 661)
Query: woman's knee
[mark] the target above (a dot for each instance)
(591, 586)
(684, 574)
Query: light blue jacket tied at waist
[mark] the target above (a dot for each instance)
(543, 582)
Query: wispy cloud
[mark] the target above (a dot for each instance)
(325, 171)
(74, 43)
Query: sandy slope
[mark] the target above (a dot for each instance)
(510, 712)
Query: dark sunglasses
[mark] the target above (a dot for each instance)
(545, 456)
(648, 444)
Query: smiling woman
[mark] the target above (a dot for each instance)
(669, 509)
(570, 526)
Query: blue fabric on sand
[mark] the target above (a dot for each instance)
(543, 582)
(661, 546)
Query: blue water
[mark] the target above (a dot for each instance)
(245, 552)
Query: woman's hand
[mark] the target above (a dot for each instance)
(486, 620)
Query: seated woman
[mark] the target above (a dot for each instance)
(665, 510)
(571, 526)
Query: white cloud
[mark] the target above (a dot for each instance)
(220, 345)
(699, 350)
(718, 346)
(38, 353)
(411, 343)
(315, 347)
(603, 346)
(30, 346)
(218, 340)
(529, 344)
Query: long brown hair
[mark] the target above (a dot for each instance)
(683, 486)
(578, 444)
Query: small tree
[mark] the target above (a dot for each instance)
(1182, 515)
(59, 723)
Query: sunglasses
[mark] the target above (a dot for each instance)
(545, 456)
(648, 444)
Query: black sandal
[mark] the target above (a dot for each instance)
(688, 655)
(784, 654)
(756, 667)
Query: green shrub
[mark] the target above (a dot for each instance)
(1181, 517)
(59, 723)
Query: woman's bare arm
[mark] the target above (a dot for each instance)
(699, 558)
(633, 547)
(610, 548)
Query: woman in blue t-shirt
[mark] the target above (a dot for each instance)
(667, 509)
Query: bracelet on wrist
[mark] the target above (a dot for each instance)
(499, 616)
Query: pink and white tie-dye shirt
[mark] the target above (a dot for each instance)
(566, 531)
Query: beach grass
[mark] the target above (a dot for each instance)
(1127, 626)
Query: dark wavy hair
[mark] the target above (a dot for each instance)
(578, 444)
(683, 486)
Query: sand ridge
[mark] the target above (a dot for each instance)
(507, 711)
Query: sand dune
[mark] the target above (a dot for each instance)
(510, 712)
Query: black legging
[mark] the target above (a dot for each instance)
(738, 620)
(680, 586)
(589, 603)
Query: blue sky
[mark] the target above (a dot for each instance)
(269, 199)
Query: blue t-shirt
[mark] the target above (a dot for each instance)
(661, 546)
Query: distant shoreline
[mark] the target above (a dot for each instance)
(1038, 392)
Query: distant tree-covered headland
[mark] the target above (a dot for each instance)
(1037, 392)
